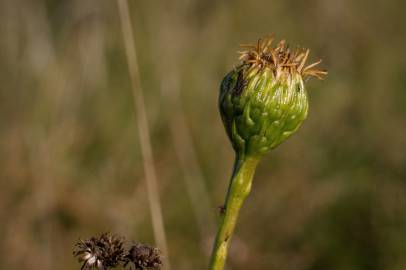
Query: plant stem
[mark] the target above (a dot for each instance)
(238, 190)
(143, 131)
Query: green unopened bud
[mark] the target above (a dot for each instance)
(263, 101)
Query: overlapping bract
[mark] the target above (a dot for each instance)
(263, 101)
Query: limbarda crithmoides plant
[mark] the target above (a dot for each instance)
(262, 102)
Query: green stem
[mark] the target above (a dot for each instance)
(240, 186)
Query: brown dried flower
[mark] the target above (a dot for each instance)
(280, 58)
(102, 253)
(144, 257)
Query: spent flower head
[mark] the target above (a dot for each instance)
(144, 257)
(103, 253)
(263, 100)
(107, 252)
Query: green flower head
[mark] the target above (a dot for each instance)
(263, 100)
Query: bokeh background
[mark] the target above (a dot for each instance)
(332, 197)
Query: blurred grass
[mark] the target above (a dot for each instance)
(332, 197)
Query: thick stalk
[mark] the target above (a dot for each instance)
(239, 188)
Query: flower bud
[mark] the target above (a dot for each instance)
(263, 101)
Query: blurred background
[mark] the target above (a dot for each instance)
(332, 197)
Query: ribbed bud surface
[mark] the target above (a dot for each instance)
(264, 101)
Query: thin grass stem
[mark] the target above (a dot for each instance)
(143, 131)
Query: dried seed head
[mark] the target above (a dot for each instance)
(280, 59)
(144, 257)
(263, 101)
(102, 253)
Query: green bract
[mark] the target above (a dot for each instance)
(264, 101)
(260, 111)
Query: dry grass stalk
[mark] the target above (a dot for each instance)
(143, 131)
